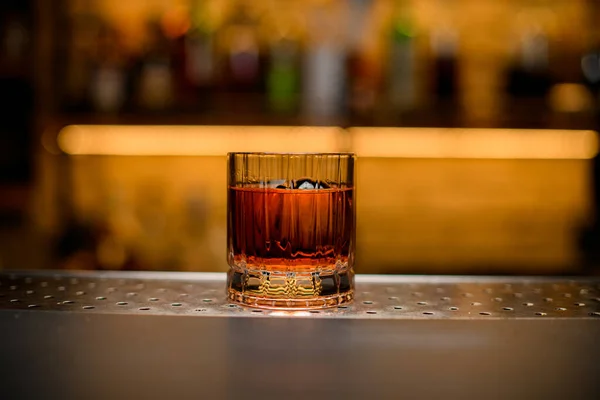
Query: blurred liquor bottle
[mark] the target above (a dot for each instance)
(283, 77)
(242, 50)
(107, 86)
(590, 68)
(444, 82)
(444, 46)
(200, 59)
(402, 83)
(324, 84)
(16, 108)
(75, 65)
(590, 60)
(363, 65)
(241, 57)
(529, 76)
(155, 89)
(190, 42)
(284, 59)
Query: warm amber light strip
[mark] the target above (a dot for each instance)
(474, 143)
(194, 140)
(367, 142)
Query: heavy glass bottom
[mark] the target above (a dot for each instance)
(290, 290)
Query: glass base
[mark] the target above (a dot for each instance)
(290, 290)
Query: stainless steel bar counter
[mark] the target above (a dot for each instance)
(113, 335)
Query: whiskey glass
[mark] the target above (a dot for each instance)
(291, 229)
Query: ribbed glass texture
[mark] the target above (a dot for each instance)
(291, 229)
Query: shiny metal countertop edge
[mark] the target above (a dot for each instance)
(377, 296)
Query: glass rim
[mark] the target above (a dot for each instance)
(272, 153)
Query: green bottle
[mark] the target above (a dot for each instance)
(283, 76)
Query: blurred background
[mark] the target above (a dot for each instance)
(475, 122)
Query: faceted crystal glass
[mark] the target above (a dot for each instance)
(291, 222)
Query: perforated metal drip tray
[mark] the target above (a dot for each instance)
(379, 297)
